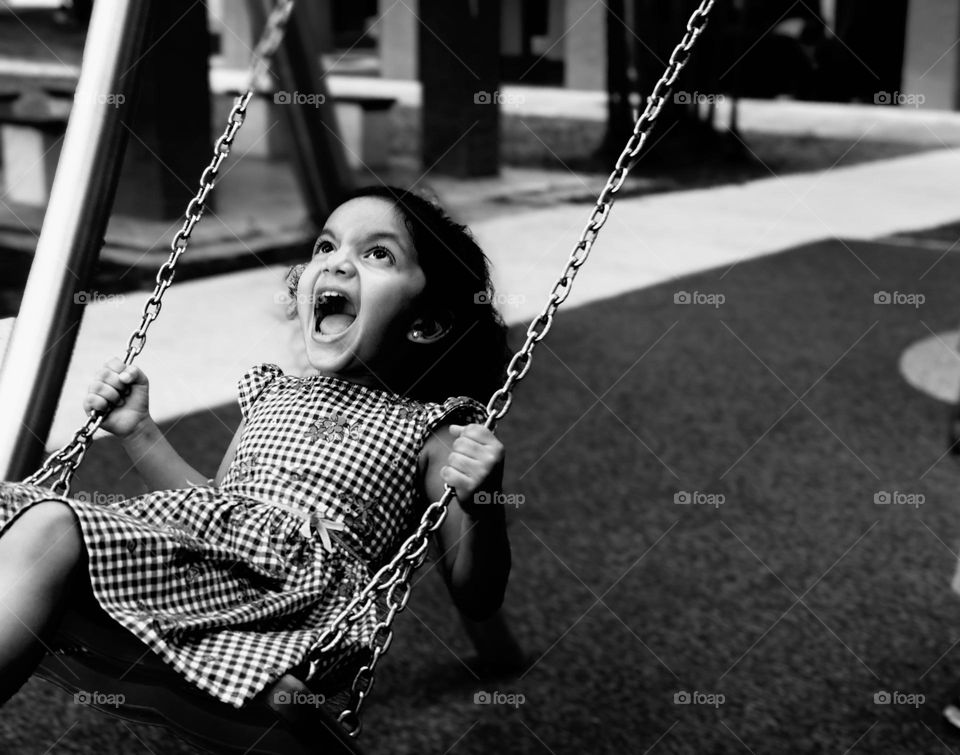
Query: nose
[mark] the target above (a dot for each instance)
(337, 262)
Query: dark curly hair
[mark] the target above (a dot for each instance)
(471, 359)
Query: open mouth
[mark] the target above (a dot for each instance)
(333, 312)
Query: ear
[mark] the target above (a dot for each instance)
(430, 328)
(292, 280)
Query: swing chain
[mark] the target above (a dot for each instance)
(518, 367)
(413, 550)
(63, 463)
(396, 574)
(392, 577)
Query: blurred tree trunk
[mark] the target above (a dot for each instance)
(171, 118)
(621, 87)
(870, 54)
(460, 75)
(641, 35)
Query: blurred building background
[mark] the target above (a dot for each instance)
(835, 50)
(412, 82)
(510, 111)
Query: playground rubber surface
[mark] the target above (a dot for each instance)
(772, 402)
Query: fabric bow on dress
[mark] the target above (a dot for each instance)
(314, 523)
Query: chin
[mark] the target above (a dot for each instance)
(336, 355)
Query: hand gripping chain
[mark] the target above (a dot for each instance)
(62, 464)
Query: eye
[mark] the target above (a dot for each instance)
(380, 253)
(322, 247)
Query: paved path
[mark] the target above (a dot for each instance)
(213, 329)
(825, 119)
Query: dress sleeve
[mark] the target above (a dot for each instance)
(253, 383)
(460, 408)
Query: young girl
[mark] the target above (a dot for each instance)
(233, 581)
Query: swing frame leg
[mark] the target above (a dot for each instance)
(74, 226)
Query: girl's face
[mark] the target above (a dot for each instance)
(356, 295)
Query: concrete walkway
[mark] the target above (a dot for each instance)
(822, 119)
(213, 329)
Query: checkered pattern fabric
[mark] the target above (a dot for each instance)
(233, 586)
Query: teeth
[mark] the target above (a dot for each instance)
(328, 302)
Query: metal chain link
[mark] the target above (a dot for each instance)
(397, 572)
(413, 550)
(63, 463)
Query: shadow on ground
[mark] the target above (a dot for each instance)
(798, 598)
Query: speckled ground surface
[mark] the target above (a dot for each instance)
(798, 598)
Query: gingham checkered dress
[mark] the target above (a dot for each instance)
(233, 586)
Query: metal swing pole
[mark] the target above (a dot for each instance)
(45, 331)
(320, 164)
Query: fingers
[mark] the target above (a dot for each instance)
(457, 480)
(474, 431)
(475, 454)
(112, 383)
(467, 466)
(470, 447)
(118, 366)
(477, 434)
(119, 375)
(105, 391)
(477, 442)
(95, 402)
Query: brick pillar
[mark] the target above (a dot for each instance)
(461, 77)
(397, 38)
(585, 45)
(932, 57)
(873, 43)
(171, 143)
(511, 27)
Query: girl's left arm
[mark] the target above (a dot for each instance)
(475, 552)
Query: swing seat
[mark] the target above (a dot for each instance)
(106, 667)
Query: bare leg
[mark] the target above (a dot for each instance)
(953, 422)
(953, 431)
(498, 651)
(41, 555)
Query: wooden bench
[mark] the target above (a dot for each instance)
(364, 120)
(34, 109)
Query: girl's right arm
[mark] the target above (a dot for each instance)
(161, 467)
